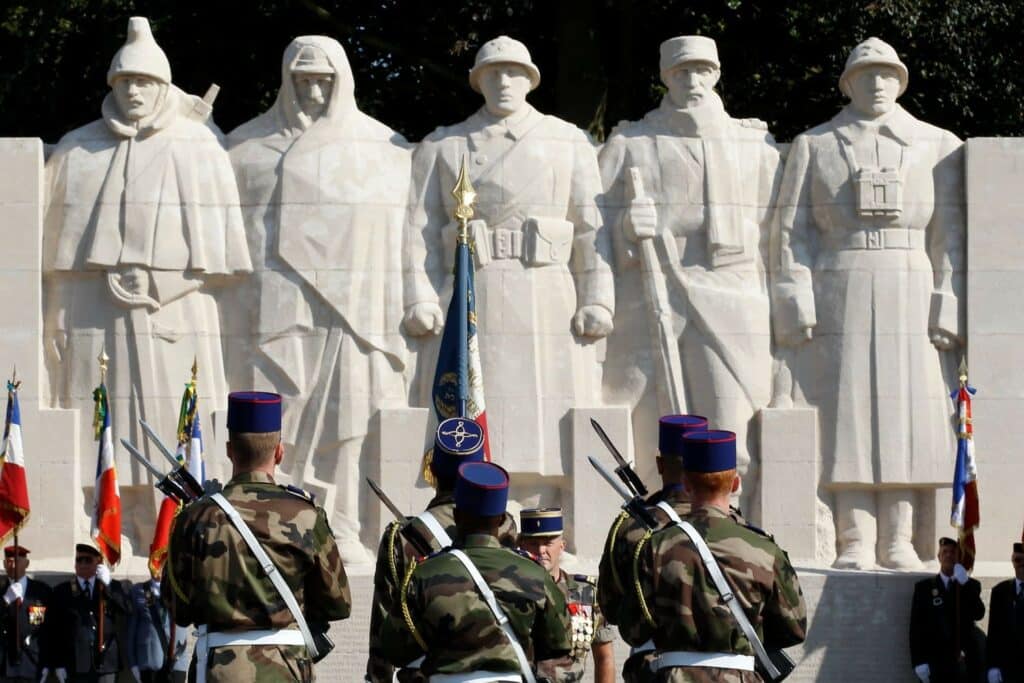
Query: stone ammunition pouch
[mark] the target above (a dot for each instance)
(775, 667)
(547, 241)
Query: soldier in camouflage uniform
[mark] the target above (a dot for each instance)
(213, 579)
(456, 441)
(696, 637)
(616, 594)
(442, 615)
(542, 537)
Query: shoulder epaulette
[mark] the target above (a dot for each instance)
(296, 491)
(753, 123)
(585, 578)
(759, 531)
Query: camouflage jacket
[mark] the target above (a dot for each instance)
(587, 628)
(393, 558)
(443, 616)
(685, 610)
(214, 579)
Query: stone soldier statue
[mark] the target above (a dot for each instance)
(541, 536)
(1006, 625)
(324, 190)
(943, 646)
(543, 279)
(456, 441)
(881, 195)
(213, 579)
(85, 616)
(444, 616)
(142, 220)
(695, 636)
(688, 191)
(24, 617)
(616, 594)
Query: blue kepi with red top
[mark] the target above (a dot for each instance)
(254, 412)
(709, 451)
(671, 429)
(481, 489)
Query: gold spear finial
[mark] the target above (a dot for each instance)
(465, 197)
(195, 369)
(963, 370)
(103, 358)
(14, 378)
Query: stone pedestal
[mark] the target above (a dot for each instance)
(404, 437)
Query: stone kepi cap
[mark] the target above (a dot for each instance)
(140, 55)
(256, 412)
(16, 551)
(671, 429)
(481, 489)
(541, 522)
(873, 51)
(503, 50)
(681, 49)
(709, 451)
(458, 440)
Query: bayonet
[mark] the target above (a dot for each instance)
(634, 505)
(626, 473)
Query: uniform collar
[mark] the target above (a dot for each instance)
(480, 541)
(252, 478)
(674, 493)
(516, 125)
(708, 119)
(897, 124)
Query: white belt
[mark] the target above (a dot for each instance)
(644, 647)
(718, 660)
(281, 636)
(477, 677)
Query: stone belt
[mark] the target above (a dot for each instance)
(879, 238)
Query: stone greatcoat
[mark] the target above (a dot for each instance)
(537, 183)
(712, 179)
(880, 283)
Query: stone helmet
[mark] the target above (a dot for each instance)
(140, 55)
(312, 60)
(503, 50)
(873, 51)
(682, 49)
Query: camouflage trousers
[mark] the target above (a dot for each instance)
(257, 663)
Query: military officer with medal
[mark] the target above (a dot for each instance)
(23, 618)
(541, 535)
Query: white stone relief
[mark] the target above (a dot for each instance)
(871, 236)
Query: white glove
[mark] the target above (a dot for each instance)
(44, 675)
(923, 672)
(14, 592)
(137, 674)
(995, 676)
(641, 219)
(155, 588)
(103, 574)
(62, 674)
(960, 574)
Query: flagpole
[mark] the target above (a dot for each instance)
(962, 374)
(103, 358)
(17, 547)
(465, 197)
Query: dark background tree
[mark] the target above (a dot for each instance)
(598, 58)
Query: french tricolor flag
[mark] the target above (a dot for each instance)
(106, 513)
(14, 505)
(966, 515)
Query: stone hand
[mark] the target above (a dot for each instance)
(103, 574)
(423, 318)
(641, 219)
(943, 340)
(592, 321)
(14, 593)
(796, 337)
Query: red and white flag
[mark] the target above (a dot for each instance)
(106, 512)
(14, 505)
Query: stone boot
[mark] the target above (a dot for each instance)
(856, 530)
(896, 530)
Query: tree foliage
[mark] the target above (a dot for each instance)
(598, 58)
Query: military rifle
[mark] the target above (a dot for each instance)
(415, 539)
(634, 505)
(626, 473)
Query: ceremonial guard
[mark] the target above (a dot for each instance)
(715, 593)
(251, 623)
(84, 618)
(943, 645)
(541, 536)
(21, 628)
(1006, 625)
(150, 653)
(456, 441)
(616, 594)
(478, 611)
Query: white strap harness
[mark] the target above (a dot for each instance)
(499, 614)
(303, 636)
(476, 677)
(728, 597)
(430, 521)
(718, 660)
